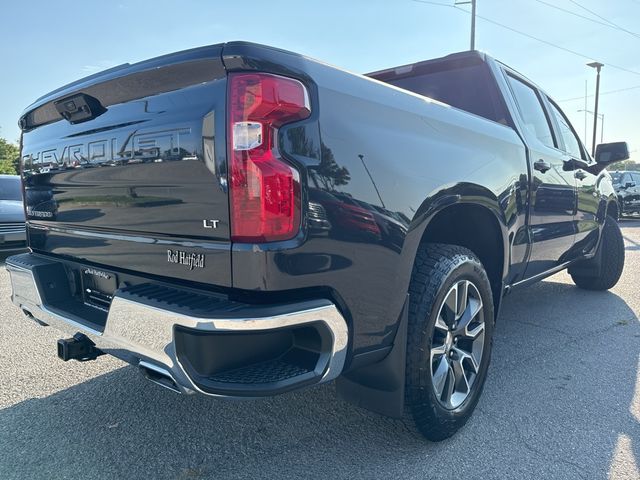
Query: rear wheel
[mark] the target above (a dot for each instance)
(604, 270)
(449, 339)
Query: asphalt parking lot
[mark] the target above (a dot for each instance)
(562, 401)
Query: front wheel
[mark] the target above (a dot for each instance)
(604, 270)
(450, 333)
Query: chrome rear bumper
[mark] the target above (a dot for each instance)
(143, 334)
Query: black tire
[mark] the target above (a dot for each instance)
(591, 276)
(620, 210)
(438, 268)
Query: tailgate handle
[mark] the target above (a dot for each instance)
(79, 108)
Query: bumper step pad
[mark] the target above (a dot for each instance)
(271, 371)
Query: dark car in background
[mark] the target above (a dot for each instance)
(627, 187)
(13, 234)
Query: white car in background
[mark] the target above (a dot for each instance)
(13, 235)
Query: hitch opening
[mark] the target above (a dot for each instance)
(78, 348)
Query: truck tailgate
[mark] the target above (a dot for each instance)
(122, 169)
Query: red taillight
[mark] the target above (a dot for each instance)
(264, 189)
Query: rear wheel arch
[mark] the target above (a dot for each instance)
(477, 227)
(386, 394)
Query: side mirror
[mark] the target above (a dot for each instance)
(607, 153)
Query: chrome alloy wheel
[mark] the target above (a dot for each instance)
(457, 344)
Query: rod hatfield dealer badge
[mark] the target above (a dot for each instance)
(191, 260)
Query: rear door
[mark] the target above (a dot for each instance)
(577, 164)
(127, 169)
(553, 202)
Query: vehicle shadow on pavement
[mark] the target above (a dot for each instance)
(563, 376)
(576, 355)
(628, 222)
(631, 244)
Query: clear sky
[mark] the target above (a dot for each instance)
(45, 44)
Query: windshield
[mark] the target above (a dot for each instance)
(10, 189)
(616, 177)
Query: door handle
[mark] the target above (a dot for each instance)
(541, 166)
(580, 175)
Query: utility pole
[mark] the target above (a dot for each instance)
(597, 66)
(473, 21)
(473, 24)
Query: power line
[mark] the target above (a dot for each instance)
(601, 93)
(602, 18)
(519, 32)
(593, 20)
(551, 44)
(439, 4)
(605, 23)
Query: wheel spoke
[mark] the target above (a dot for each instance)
(463, 292)
(473, 333)
(474, 307)
(462, 356)
(461, 376)
(441, 324)
(440, 376)
(450, 307)
(438, 350)
(450, 386)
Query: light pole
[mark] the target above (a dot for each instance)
(601, 118)
(597, 66)
(585, 111)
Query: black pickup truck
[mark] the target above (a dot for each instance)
(242, 221)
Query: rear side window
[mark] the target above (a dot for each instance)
(531, 111)
(468, 88)
(571, 142)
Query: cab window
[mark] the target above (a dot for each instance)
(569, 138)
(531, 111)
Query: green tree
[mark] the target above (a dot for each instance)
(624, 165)
(9, 157)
